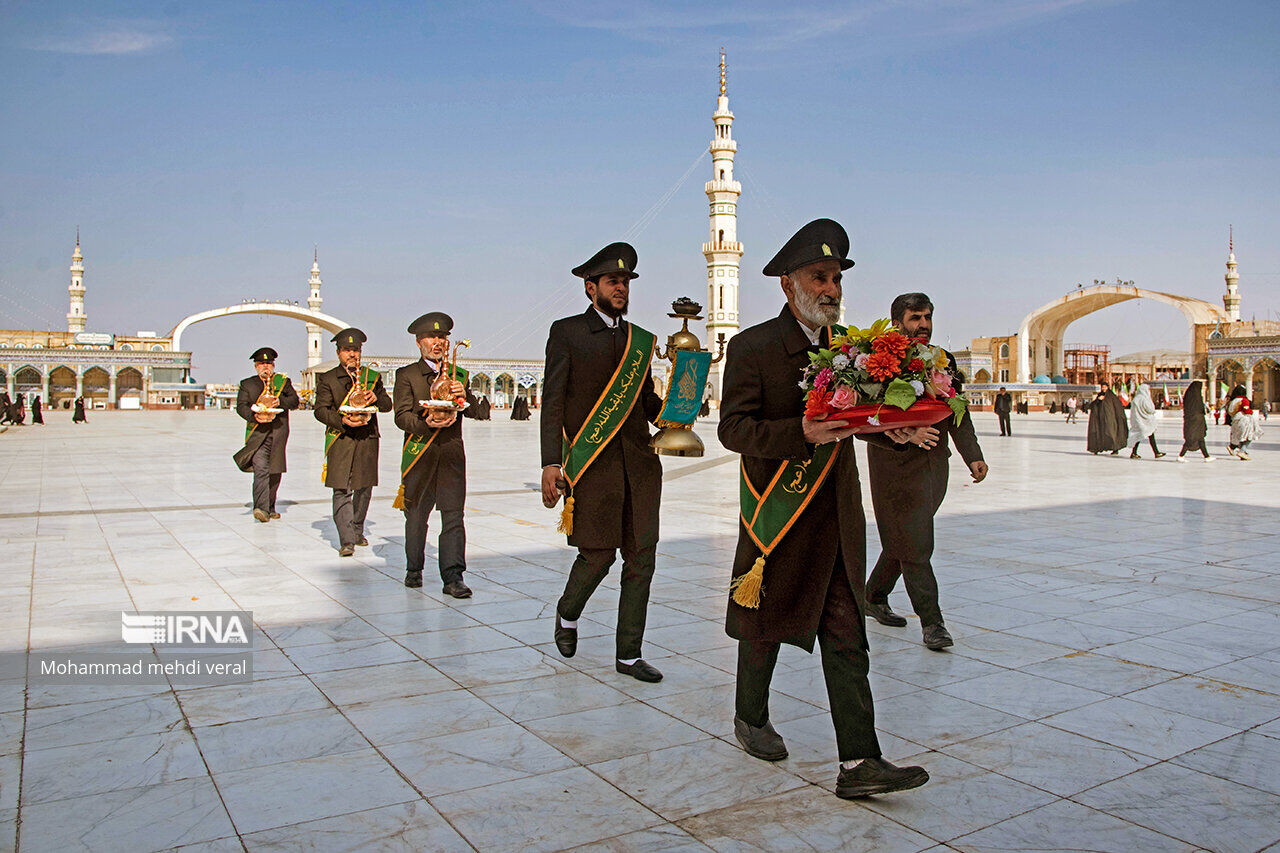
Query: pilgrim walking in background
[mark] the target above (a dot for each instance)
(1073, 406)
(266, 432)
(6, 405)
(907, 488)
(351, 438)
(37, 416)
(807, 586)
(1142, 421)
(597, 403)
(1195, 426)
(1244, 425)
(19, 410)
(78, 417)
(1003, 408)
(1107, 432)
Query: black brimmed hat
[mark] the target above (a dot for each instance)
(615, 257)
(820, 240)
(437, 323)
(350, 339)
(264, 354)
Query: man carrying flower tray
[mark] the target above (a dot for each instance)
(801, 556)
(907, 489)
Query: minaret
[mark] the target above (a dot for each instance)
(75, 314)
(314, 302)
(724, 252)
(1231, 299)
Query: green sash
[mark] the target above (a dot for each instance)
(415, 446)
(277, 388)
(368, 378)
(768, 515)
(608, 414)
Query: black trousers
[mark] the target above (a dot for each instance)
(1194, 445)
(448, 490)
(1151, 438)
(922, 586)
(265, 484)
(842, 638)
(590, 568)
(1006, 428)
(350, 506)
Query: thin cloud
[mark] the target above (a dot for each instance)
(108, 41)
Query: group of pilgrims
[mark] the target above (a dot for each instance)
(1112, 429)
(799, 573)
(13, 411)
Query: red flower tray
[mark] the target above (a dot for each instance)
(924, 412)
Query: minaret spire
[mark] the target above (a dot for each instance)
(723, 252)
(1231, 299)
(75, 310)
(314, 301)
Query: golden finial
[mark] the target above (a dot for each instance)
(723, 88)
(1231, 238)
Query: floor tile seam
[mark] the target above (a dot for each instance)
(302, 823)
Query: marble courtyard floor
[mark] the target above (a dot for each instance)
(1115, 683)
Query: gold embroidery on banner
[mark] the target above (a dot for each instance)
(614, 402)
(796, 486)
(688, 386)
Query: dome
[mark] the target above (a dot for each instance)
(1059, 380)
(1042, 379)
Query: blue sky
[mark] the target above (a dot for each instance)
(463, 157)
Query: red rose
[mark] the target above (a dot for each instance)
(916, 365)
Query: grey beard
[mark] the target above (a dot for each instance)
(812, 312)
(607, 309)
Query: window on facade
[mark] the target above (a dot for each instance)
(721, 296)
(1004, 350)
(157, 348)
(722, 174)
(720, 235)
(1004, 376)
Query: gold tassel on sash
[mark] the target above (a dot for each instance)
(398, 503)
(324, 472)
(746, 588)
(566, 517)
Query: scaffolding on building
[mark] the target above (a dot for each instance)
(1086, 364)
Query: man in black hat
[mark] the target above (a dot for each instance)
(597, 403)
(799, 568)
(351, 440)
(907, 489)
(268, 431)
(433, 461)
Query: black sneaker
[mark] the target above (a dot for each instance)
(877, 776)
(759, 741)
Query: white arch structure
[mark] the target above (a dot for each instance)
(1047, 325)
(279, 309)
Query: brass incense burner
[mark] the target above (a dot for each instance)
(679, 439)
(440, 389)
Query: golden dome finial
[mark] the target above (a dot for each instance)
(723, 88)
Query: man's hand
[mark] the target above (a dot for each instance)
(457, 389)
(269, 402)
(354, 420)
(823, 431)
(364, 397)
(441, 418)
(552, 485)
(264, 417)
(978, 470)
(923, 437)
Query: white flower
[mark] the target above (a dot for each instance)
(873, 420)
(840, 362)
(861, 361)
(804, 386)
(917, 386)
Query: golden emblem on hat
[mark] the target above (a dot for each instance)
(437, 325)
(621, 265)
(826, 250)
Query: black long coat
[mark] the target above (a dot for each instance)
(582, 355)
(278, 427)
(761, 416)
(353, 459)
(908, 486)
(446, 457)
(1108, 427)
(1003, 403)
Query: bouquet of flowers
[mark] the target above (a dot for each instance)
(879, 379)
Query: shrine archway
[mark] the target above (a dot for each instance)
(278, 309)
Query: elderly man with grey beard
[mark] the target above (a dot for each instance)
(807, 570)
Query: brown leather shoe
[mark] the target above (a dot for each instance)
(274, 514)
(413, 580)
(261, 515)
(346, 550)
(877, 776)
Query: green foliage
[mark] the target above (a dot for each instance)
(900, 394)
(958, 405)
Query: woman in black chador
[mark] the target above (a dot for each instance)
(78, 417)
(19, 409)
(37, 417)
(1194, 425)
(6, 408)
(1107, 429)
